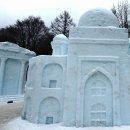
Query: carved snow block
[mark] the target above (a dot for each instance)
(13, 68)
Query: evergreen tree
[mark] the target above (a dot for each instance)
(62, 24)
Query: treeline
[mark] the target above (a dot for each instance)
(33, 34)
(122, 12)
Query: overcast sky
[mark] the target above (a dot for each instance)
(11, 10)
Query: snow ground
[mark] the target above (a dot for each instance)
(15, 98)
(10, 111)
(19, 124)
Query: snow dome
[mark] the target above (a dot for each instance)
(60, 45)
(60, 37)
(98, 17)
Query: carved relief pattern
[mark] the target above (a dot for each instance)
(98, 88)
(55, 72)
(98, 100)
(98, 115)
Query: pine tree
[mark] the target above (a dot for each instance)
(62, 24)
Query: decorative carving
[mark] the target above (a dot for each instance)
(47, 113)
(98, 115)
(98, 88)
(98, 100)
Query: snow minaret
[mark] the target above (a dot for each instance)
(60, 45)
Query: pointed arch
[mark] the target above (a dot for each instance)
(101, 70)
(97, 97)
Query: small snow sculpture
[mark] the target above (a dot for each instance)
(60, 45)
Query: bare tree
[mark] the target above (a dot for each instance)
(121, 11)
(62, 24)
(8, 33)
(114, 10)
(30, 31)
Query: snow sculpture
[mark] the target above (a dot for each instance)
(89, 86)
(14, 62)
(60, 45)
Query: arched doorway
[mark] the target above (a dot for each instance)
(49, 111)
(55, 78)
(98, 97)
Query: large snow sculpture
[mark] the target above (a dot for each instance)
(13, 67)
(89, 86)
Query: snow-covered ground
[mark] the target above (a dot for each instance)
(19, 124)
(5, 99)
(10, 111)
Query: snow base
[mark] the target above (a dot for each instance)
(6, 98)
(19, 124)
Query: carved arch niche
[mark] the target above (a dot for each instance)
(98, 100)
(52, 76)
(49, 111)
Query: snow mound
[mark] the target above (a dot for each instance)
(98, 17)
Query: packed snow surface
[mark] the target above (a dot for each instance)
(19, 124)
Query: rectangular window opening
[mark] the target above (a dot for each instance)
(49, 120)
(52, 84)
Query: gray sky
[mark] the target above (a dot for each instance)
(11, 10)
